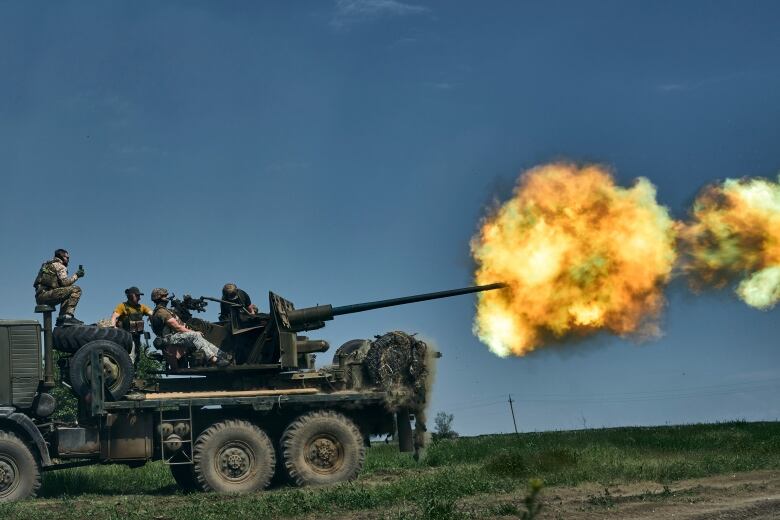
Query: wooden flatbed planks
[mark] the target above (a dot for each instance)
(230, 393)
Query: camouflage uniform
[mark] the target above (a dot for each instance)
(53, 286)
(195, 340)
(178, 343)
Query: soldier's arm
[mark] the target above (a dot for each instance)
(62, 275)
(117, 313)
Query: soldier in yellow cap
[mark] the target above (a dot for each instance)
(129, 315)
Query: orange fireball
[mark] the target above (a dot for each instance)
(735, 235)
(579, 254)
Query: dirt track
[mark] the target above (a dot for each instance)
(754, 495)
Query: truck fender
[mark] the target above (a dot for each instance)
(25, 424)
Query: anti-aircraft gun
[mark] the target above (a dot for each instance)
(268, 341)
(270, 353)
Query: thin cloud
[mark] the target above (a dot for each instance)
(440, 85)
(357, 11)
(685, 86)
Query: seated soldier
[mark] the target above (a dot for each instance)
(177, 339)
(231, 294)
(53, 286)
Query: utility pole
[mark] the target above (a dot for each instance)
(512, 409)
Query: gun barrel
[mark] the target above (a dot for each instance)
(360, 307)
(314, 317)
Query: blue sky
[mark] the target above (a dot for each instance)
(339, 152)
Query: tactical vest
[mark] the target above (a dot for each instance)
(47, 278)
(159, 321)
(132, 319)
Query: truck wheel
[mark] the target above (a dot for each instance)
(117, 369)
(184, 475)
(322, 447)
(233, 457)
(71, 338)
(20, 474)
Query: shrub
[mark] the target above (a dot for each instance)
(443, 426)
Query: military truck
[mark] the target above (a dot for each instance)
(232, 429)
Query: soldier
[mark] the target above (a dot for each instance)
(177, 338)
(232, 294)
(53, 286)
(129, 315)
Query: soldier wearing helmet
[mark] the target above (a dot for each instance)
(129, 315)
(233, 296)
(177, 339)
(53, 286)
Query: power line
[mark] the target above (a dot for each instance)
(486, 405)
(672, 390)
(627, 397)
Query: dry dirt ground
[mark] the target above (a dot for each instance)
(754, 495)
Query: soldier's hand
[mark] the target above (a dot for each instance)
(80, 272)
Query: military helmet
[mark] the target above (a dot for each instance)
(229, 290)
(159, 294)
(133, 290)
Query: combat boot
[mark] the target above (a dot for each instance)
(66, 320)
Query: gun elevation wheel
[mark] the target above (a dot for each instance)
(322, 447)
(233, 457)
(20, 474)
(117, 369)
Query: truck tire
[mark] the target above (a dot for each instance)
(322, 447)
(117, 369)
(184, 475)
(71, 338)
(233, 456)
(20, 472)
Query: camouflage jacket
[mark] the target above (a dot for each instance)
(53, 274)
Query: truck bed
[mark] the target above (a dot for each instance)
(257, 402)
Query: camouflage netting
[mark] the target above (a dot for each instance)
(104, 323)
(398, 363)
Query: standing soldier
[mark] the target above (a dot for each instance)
(53, 286)
(129, 315)
(176, 338)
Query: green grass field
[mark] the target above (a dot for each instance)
(394, 486)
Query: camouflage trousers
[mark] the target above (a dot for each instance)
(68, 297)
(194, 340)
